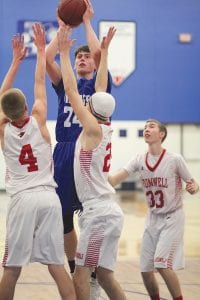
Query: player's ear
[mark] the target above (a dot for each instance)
(162, 134)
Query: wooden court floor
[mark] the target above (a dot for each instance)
(36, 284)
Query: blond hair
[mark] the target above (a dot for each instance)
(13, 103)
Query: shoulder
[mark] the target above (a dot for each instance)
(174, 155)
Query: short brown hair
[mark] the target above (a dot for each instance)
(161, 126)
(13, 103)
(83, 48)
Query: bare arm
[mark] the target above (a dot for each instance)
(88, 121)
(118, 177)
(102, 73)
(39, 110)
(92, 40)
(19, 52)
(53, 69)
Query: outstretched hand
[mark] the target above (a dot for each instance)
(64, 38)
(108, 38)
(39, 36)
(19, 50)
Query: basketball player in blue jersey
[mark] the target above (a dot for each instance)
(68, 127)
(101, 220)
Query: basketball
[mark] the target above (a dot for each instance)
(71, 11)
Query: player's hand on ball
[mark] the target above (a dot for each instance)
(89, 13)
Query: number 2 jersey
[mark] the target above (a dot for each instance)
(161, 178)
(91, 168)
(28, 157)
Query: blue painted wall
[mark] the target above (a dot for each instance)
(166, 82)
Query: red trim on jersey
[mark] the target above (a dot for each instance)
(105, 123)
(158, 162)
(22, 125)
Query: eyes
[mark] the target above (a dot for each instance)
(150, 125)
(86, 56)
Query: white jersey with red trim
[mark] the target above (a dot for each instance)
(91, 168)
(161, 178)
(28, 157)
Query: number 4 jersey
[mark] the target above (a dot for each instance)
(28, 157)
(91, 168)
(161, 177)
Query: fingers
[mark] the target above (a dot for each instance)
(17, 41)
(191, 186)
(64, 38)
(38, 30)
(89, 12)
(107, 39)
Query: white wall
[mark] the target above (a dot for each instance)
(183, 139)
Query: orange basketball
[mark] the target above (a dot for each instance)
(71, 11)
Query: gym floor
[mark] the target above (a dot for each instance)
(35, 283)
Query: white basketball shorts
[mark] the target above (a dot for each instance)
(100, 228)
(162, 244)
(34, 228)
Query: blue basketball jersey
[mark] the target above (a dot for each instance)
(68, 126)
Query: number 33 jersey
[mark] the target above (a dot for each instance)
(28, 157)
(161, 177)
(91, 168)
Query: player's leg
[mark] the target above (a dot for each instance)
(169, 252)
(151, 285)
(110, 284)
(172, 282)
(148, 248)
(63, 281)
(95, 288)
(110, 226)
(81, 281)
(70, 240)
(8, 282)
(48, 246)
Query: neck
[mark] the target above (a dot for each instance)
(21, 121)
(87, 76)
(155, 149)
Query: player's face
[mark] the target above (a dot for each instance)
(152, 133)
(84, 64)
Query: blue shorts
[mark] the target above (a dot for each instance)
(63, 157)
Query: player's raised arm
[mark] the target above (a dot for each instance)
(19, 52)
(53, 69)
(92, 40)
(102, 73)
(40, 105)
